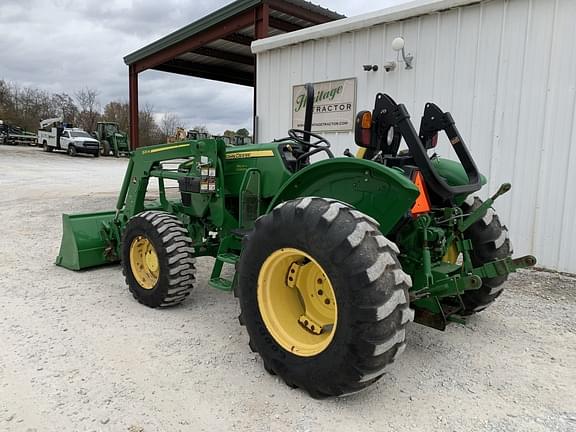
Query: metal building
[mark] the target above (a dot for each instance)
(506, 69)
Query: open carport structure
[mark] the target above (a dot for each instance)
(217, 47)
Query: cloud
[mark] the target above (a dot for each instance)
(65, 45)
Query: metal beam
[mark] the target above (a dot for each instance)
(261, 30)
(133, 106)
(226, 55)
(239, 38)
(298, 12)
(184, 67)
(228, 27)
(262, 21)
(285, 26)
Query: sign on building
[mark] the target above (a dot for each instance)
(334, 106)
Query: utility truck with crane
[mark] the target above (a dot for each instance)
(56, 135)
(332, 259)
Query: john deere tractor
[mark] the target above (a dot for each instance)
(112, 141)
(332, 259)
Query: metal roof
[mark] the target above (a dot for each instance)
(221, 54)
(217, 47)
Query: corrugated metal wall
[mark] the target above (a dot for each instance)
(507, 72)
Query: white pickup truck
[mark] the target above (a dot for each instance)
(72, 140)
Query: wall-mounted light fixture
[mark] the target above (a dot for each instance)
(398, 46)
(390, 66)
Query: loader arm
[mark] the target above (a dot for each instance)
(93, 239)
(145, 160)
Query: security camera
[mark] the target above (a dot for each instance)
(389, 66)
(369, 68)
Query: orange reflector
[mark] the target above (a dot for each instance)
(422, 204)
(366, 120)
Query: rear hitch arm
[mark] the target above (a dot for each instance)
(479, 213)
(504, 266)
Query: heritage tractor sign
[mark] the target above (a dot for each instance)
(334, 106)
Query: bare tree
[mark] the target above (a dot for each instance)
(6, 102)
(117, 112)
(87, 99)
(148, 131)
(23, 106)
(61, 104)
(202, 129)
(168, 124)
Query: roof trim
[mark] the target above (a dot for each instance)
(390, 14)
(185, 32)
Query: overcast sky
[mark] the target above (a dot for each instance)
(64, 45)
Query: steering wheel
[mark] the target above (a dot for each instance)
(316, 146)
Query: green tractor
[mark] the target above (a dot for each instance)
(112, 141)
(332, 259)
(194, 134)
(241, 140)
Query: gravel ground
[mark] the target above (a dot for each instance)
(78, 353)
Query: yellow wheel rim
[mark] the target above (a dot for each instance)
(144, 262)
(297, 302)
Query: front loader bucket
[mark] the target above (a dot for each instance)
(83, 240)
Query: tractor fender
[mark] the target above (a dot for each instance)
(381, 192)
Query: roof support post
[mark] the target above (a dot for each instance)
(261, 30)
(133, 106)
(262, 21)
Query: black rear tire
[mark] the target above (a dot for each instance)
(489, 242)
(371, 293)
(175, 258)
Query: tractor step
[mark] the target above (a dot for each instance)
(228, 253)
(229, 258)
(221, 284)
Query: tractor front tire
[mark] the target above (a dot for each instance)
(105, 148)
(323, 297)
(157, 259)
(490, 242)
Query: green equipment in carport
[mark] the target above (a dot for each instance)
(330, 260)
